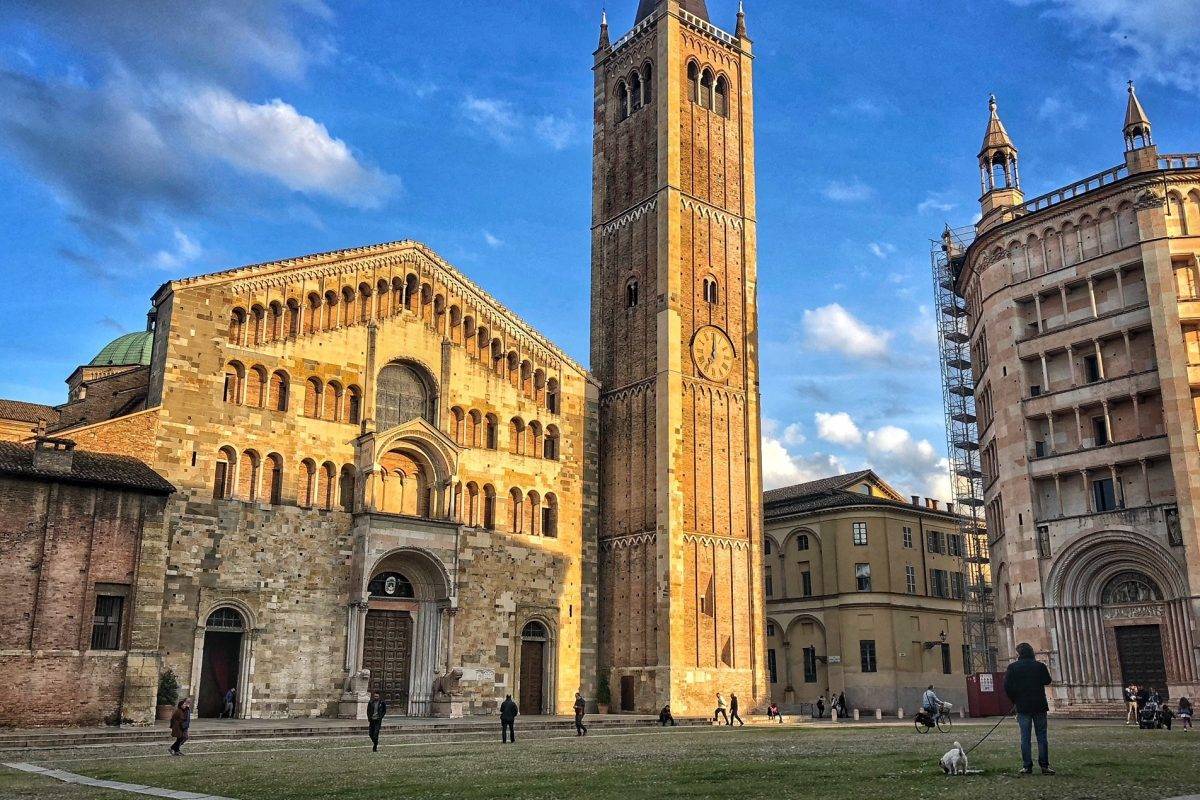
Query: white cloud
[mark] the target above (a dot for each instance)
(834, 329)
(781, 468)
(276, 140)
(1061, 114)
(492, 241)
(186, 251)
(558, 132)
(794, 434)
(837, 428)
(851, 191)
(1152, 39)
(935, 201)
(924, 330)
(496, 118)
(881, 249)
(892, 451)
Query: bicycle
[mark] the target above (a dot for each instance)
(924, 723)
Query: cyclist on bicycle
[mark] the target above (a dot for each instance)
(931, 704)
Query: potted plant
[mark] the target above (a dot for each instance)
(168, 695)
(603, 696)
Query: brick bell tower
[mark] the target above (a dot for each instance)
(675, 346)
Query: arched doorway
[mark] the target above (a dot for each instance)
(223, 635)
(1139, 646)
(534, 641)
(387, 638)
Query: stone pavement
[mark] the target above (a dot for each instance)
(135, 788)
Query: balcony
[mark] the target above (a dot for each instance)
(1076, 332)
(1090, 394)
(1098, 457)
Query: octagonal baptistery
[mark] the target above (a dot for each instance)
(380, 468)
(1082, 308)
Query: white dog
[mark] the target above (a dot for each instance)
(955, 761)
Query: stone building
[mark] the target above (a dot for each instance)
(82, 536)
(864, 594)
(674, 345)
(1083, 312)
(378, 467)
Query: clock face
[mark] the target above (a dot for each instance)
(713, 353)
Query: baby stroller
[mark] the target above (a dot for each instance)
(1149, 718)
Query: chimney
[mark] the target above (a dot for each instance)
(931, 504)
(916, 500)
(949, 508)
(53, 455)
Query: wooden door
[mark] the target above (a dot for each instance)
(1140, 649)
(533, 656)
(387, 652)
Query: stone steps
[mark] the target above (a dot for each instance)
(1091, 709)
(400, 730)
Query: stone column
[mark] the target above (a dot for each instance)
(1120, 282)
(1118, 490)
(1058, 493)
(1099, 358)
(1146, 479)
(1137, 416)
(1045, 374)
(1128, 353)
(1071, 363)
(1037, 304)
(783, 590)
(1050, 421)
(1091, 285)
(1087, 495)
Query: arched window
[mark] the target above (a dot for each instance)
(391, 586)
(382, 297)
(534, 631)
(277, 395)
(550, 445)
(225, 619)
(223, 479)
(328, 485)
(711, 292)
(333, 402)
(473, 428)
(456, 320)
(513, 363)
(354, 405)
(552, 399)
(516, 436)
(312, 398)
(693, 76)
(346, 488)
(706, 88)
(397, 302)
(308, 483)
(248, 476)
(348, 298)
(533, 438)
(491, 432)
(622, 101)
(550, 516)
(258, 319)
(312, 320)
(802, 542)
(631, 293)
(256, 382)
(516, 508)
(635, 91)
(235, 373)
(539, 385)
(403, 392)
(533, 505)
(291, 318)
(237, 325)
(527, 378)
(364, 303)
(276, 326)
(412, 292)
(471, 509)
(458, 426)
(330, 320)
(722, 99)
(647, 83)
(489, 507)
(273, 485)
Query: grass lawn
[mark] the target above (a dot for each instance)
(848, 763)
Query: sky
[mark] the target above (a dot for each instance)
(141, 142)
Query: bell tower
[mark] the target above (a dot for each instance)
(675, 346)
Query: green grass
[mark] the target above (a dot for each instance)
(23, 786)
(756, 762)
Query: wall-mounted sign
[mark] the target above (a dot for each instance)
(835, 659)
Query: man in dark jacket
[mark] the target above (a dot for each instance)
(580, 707)
(1025, 684)
(508, 716)
(733, 711)
(376, 711)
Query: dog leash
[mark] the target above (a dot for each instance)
(989, 733)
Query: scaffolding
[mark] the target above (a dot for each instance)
(962, 443)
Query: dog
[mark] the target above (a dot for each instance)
(955, 761)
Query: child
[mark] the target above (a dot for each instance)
(773, 712)
(1185, 713)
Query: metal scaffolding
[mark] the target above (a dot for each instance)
(962, 443)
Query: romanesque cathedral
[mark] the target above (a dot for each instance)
(358, 471)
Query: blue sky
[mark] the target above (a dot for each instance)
(139, 144)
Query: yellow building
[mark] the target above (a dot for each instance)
(864, 594)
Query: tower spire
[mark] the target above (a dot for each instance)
(604, 42)
(1137, 124)
(998, 174)
(740, 30)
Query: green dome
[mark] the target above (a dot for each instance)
(130, 349)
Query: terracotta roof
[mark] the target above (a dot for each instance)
(1135, 115)
(87, 468)
(21, 411)
(996, 137)
(815, 487)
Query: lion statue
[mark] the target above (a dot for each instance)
(448, 685)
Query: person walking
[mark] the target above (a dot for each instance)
(720, 712)
(580, 707)
(841, 705)
(376, 711)
(230, 699)
(820, 707)
(181, 720)
(1025, 683)
(665, 717)
(1131, 704)
(1185, 713)
(733, 711)
(508, 718)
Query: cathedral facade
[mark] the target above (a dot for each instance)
(382, 475)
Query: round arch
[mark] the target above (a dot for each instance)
(222, 659)
(1086, 564)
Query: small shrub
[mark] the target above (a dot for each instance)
(168, 689)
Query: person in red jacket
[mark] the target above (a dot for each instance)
(1025, 684)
